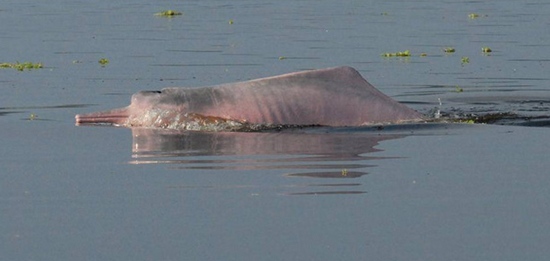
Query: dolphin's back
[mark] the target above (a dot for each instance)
(335, 97)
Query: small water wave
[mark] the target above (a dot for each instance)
(529, 111)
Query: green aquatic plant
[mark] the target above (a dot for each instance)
(486, 49)
(230, 21)
(168, 13)
(449, 49)
(458, 89)
(33, 117)
(344, 172)
(22, 66)
(467, 121)
(282, 57)
(465, 59)
(405, 53)
(103, 61)
(423, 54)
(475, 16)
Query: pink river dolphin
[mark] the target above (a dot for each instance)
(327, 97)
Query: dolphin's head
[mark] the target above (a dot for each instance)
(147, 108)
(141, 102)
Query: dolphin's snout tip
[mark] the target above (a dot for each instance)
(117, 116)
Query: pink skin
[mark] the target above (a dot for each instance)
(330, 97)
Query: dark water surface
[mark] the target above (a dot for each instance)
(409, 192)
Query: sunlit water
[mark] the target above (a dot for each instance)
(431, 191)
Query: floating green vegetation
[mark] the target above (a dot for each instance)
(384, 13)
(344, 172)
(103, 61)
(21, 66)
(465, 59)
(489, 118)
(458, 89)
(449, 49)
(230, 21)
(486, 50)
(282, 57)
(470, 121)
(405, 53)
(168, 13)
(475, 16)
(423, 54)
(33, 117)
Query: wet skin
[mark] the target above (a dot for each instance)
(329, 97)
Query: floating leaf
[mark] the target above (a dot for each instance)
(168, 13)
(449, 49)
(103, 61)
(405, 53)
(344, 172)
(475, 15)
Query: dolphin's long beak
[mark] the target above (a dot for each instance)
(115, 116)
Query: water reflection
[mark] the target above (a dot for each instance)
(296, 153)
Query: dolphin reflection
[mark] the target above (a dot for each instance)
(300, 153)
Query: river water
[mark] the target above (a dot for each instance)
(429, 191)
